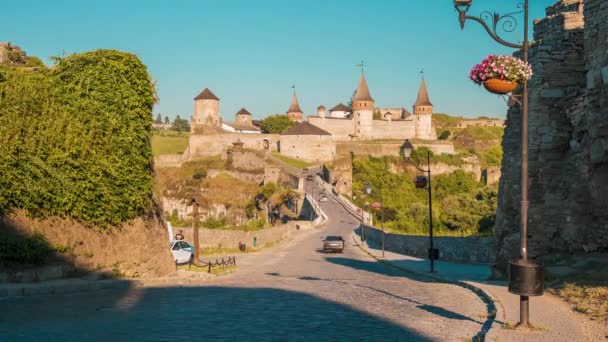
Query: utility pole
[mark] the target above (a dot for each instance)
(195, 230)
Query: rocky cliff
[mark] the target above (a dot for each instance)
(568, 141)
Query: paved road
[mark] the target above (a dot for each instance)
(295, 293)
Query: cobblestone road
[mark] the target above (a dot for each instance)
(293, 294)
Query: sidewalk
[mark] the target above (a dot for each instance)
(553, 319)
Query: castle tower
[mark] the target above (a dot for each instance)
(423, 112)
(321, 111)
(295, 112)
(206, 110)
(363, 110)
(243, 116)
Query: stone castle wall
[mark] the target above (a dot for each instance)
(397, 129)
(340, 129)
(207, 145)
(568, 144)
(375, 149)
(311, 148)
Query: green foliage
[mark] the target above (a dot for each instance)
(167, 120)
(163, 143)
(33, 61)
(444, 135)
(33, 250)
(300, 164)
(493, 156)
(158, 120)
(75, 139)
(276, 124)
(181, 125)
(213, 222)
(445, 120)
(377, 115)
(461, 205)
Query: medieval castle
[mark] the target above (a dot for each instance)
(317, 138)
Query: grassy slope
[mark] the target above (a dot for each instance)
(300, 164)
(169, 143)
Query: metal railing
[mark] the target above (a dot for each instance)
(211, 264)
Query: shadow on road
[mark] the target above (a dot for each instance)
(387, 270)
(194, 313)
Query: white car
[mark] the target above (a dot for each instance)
(182, 251)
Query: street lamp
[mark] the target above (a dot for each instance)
(195, 213)
(525, 276)
(421, 182)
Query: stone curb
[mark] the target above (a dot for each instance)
(488, 299)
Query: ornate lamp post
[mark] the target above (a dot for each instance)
(525, 276)
(421, 182)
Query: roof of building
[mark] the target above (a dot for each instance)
(423, 96)
(242, 126)
(321, 107)
(294, 107)
(305, 128)
(206, 94)
(340, 107)
(362, 93)
(243, 111)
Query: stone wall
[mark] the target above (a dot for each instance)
(138, 248)
(311, 148)
(395, 129)
(214, 238)
(206, 145)
(168, 160)
(340, 175)
(568, 144)
(469, 250)
(378, 149)
(341, 129)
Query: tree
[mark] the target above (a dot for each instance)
(167, 120)
(33, 61)
(159, 120)
(276, 124)
(181, 125)
(377, 115)
(444, 135)
(350, 102)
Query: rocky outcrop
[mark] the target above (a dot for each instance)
(568, 144)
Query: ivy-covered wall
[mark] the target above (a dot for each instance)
(74, 139)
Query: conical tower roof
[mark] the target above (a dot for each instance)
(423, 96)
(362, 93)
(243, 111)
(295, 106)
(206, 94)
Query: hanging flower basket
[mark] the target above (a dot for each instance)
(501, 74)
(377, 206)
(498, 86)
(420, 182)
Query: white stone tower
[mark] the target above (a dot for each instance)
(363, 110)
(206, 110)
(423, 114)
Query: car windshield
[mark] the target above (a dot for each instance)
(333, 238)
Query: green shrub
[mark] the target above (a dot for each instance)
(33, 250)
(214, 223)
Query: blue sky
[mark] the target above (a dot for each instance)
(249, 52)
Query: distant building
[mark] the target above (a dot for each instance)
(242, 124)
(11, 54)
(162, 126)
(295, 112)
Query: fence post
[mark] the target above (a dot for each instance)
(209, 266)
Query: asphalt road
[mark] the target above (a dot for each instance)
(294, 293)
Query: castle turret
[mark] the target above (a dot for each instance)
(206, 110)
(363, 110)
(295, 112)
(423, 112)
(243, 116)
(321, 111)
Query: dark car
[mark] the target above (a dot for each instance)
(333, 244)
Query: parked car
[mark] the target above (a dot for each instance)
(323, 198)
(333, 244)
(182, 251)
